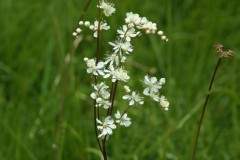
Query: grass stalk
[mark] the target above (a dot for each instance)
(64, 88)
(204, 109)
(222, 54)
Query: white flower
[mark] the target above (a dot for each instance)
(116, 45)
(105, 127)
(119, 45)
(108, 9)
(152, 85)
(122, 75)
(126, 47)
(103, 26)
(100, 91)
(93, 68)
(102, 102)
(134, 97)
(111, 72)
(132, 18)
(123, 120)
(164, 103)
(152, 88)
(127, 33)
(117, 74)
(111, 59)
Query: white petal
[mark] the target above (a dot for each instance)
(100, 65)
(126, 97)
(153, 80)
(117, 115)
(128, 123)
(131, 102)
(93, 95)
(106, 75)
(98, 121)
(113, 126)
(101, 72)
(89, 70)
(141, 102)
(146, 91)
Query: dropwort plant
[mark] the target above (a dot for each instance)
(222, 55)
(110, 73)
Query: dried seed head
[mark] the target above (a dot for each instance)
(223, 54)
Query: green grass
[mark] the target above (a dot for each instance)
(34, 40)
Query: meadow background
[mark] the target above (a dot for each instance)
(35, 37)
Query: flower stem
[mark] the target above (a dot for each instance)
(109, 113)
(204, 109)
(104, 149)
(96, 110)
(112, 97)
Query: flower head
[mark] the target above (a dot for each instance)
(95, 69)
(120, 46)
(134, 97)
(127, 33)
(117, 74)
(105, 127)
(103, 102)
(100, 91)
(112, 59)
(103, 26)
(122, 75)
(108, 9)
(123, 120)
(152, 85)
(132, 18)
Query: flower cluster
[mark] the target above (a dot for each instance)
(123, 119)
(108, 8)
(134, 97)
(105, 127)
(93, 68)
(152, 90)
(101, 95)
(110, 71)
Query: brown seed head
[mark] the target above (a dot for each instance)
(223, 54)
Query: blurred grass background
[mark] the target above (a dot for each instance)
(35, 37)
